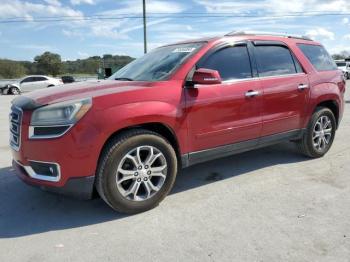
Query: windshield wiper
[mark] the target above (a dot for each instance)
(124, 79)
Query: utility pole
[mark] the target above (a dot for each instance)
(144, 28)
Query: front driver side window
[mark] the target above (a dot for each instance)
(230, 62)
(26, 80)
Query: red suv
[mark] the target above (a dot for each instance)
(178, 105)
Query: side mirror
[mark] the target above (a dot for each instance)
(204, 76)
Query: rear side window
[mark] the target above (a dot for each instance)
(319, 57)
(274, 60)
(230, 62)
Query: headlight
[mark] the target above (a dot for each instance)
(55, 120)
(66, 113)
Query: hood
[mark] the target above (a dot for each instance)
(78, 90)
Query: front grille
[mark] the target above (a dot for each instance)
(15, 128)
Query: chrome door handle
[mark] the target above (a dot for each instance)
(303, 86)
(251, 93)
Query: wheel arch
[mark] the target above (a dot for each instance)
(332, 105)
(14, 86)
(157, 127)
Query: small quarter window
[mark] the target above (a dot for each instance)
(318, 57)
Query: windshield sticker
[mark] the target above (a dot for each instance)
(184, 50)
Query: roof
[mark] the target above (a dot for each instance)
(258, 33)
(249, 34)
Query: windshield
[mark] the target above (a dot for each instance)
(157, 64)
(341, 64)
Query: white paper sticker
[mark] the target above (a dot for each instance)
(184, 49)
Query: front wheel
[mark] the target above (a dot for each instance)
(136, 171)
(15, 91)
(319, 135)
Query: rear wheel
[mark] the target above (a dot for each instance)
(319, 135)
(347, 75)
(136, 171)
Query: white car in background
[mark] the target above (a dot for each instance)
(345, 67)
(31, 83)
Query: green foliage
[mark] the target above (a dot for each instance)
(51, 64)
(11, 69)
(92, 64)
(341, 55)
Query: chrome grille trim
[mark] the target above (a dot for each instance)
(15, 120)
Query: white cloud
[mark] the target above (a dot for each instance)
(338, 49)
(320, 33)
(275, 6)
(73, 33)
(79, 2)
(16, 8)
(133, 7)
(149, 24)
(83, 54)
(346, 37)
(345, 21)
(53, 2)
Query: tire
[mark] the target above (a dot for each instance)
(114, 158)
(309, 144)
(347, 75)
(50, 86)
(14, 90)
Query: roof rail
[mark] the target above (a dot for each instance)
(237, 33)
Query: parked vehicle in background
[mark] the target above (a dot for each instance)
(345, 67)
(31, 83)
(67, 79)
(177, 106)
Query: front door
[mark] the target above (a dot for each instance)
(229, 112)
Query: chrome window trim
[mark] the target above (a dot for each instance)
(32, 136)
(31, 173)
(233, 81)
(260, 78)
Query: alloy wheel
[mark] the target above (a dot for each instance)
(141, 173)
(322, 133)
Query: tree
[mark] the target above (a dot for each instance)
(342, 55)
(11, 69)
(49, 63)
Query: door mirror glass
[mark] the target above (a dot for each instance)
(204, 76)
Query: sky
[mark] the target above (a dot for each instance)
(83, 28)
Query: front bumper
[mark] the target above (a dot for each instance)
(81, 188)
(65, 164)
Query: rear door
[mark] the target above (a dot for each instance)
(41, 82)
(225, 113)
(285, 86)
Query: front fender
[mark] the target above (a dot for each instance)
(14, 85)
(113, 119)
